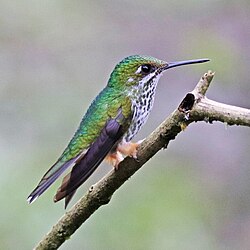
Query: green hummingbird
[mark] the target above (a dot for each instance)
(112, 120)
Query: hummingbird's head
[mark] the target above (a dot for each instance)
(137, 70)
(133, 69)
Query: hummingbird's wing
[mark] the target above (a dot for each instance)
(111, 133)
(90, 144)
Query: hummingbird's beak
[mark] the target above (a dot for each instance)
(180, 63)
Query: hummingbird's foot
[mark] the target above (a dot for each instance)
(114, 159)
(123, 149)
(129, 149)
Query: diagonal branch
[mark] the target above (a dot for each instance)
(194, 107)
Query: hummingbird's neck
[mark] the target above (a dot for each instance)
(145, 86)
(142, 97)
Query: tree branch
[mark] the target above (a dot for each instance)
(194, 107)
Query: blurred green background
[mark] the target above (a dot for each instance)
(55, 56)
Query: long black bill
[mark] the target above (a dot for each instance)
(180, 63)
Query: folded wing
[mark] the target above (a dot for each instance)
(110, 135)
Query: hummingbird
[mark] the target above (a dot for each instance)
(110, 123)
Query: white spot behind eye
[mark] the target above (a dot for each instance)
(130, 79)
(138, 71)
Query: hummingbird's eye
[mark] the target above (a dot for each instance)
(146, 68)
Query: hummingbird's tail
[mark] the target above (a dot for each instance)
(79, 174)
(49, 178)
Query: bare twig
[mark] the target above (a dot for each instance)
(194, 107)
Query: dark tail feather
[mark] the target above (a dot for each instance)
(79, 174)
(69, 196)
(48, 180)
(68, 199)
